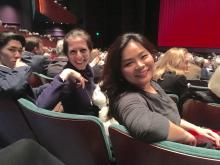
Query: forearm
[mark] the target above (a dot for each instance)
(201, 131)
(188, 126)
(180, 135)
(50, 96)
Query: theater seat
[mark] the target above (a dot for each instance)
(130, 151)
(74, 139)
(44, 79)
(14, 125)
(202, 114)
(174, 97)
(37, 79)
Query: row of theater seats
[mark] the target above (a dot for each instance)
(202, 114)
(74, 139)
(81, 140)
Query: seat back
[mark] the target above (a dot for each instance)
(14, 126)
(197, 87)
(202, 114)
(37, 79)
(203, 83)
(130, 151)
(74, 139)
(174, 97)
(44, 79)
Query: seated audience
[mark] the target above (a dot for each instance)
(56, 65)
(205, 75)
(194, 71)
(170, 71)
(215, 62)
(13, 72)
(214, 83)
(95, 57)
(33, 55)
(139, 103)
(97, 64)
(212, 94)
(74, 86)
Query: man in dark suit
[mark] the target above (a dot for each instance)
(33, 55)
(13, 72)
(13, 85)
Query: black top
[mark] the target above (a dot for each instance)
(172, 83)
(13, 82)
(74, 99)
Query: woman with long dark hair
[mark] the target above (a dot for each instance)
(139, 103)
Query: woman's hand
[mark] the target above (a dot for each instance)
(209, 134)
(189, 139)
(73, 75)
(201, 131)
(180, 135)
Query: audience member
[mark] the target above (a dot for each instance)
(205, 75)
(212, 94)
(33, 55)
(214, 83)
(13, 72)
(194, 71)
(199, 61)
(216, 62)
(95, 57)
(97, 64)
(56, 65)
(74, 86)
(170, 71)
(140, 103)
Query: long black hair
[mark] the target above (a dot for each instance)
(114, 83)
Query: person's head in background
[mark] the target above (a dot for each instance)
(174, 60)
(59, 47)
(216, 62)
(190, 58)
(34, 45)
(199, 61)
(95, 53)
(214, 82)
(77, 47)
(129, 65)
(11, 47)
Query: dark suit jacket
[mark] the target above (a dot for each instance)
(56, 66)
(13, 82)
(38, 63)
(14, 85)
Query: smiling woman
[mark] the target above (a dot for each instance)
(74, 86)
(139, 103)
(137, 65)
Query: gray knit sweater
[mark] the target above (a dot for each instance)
(146, 115)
